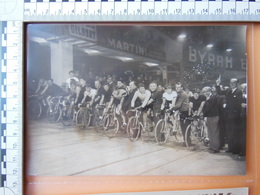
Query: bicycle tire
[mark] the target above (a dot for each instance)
(86, 118)
(34, 109)
(111, 126)
(161, 133)
(178, 133)
(98, 120)
(192, 137)
(67, 116)
(150, 133)
(79, 117)
(55, 115)
(83, 118)
(133, 129)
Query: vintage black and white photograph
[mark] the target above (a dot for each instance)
(135, 99)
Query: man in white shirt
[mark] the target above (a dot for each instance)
(68, 81)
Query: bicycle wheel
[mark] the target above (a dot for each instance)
(55, 115)
(86, 118)
(149, 128)
(133, 129)
(67, 116)
(98, 120)
(177, 133)
(34, 109)
(83, 117)
(111, 125)
(192, 137)
(161, 132)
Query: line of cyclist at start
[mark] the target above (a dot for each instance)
(125, 97)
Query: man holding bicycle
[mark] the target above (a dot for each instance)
(144, 95)
(117, 99)
(182, 105)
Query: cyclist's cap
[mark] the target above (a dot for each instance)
(196, 90)
(206, 89)
(168, 87)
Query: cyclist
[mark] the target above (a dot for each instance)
(52, 91)
(42, 87)
(132, 88)
(155, 101)
(98, 95)
(182, 105)
(72, 92)
(68, 81)
(197, 102)
(144, 95)
(168, 98)
(89, 96)
(111, 82)
(106, 93)
(117, 99)
(80, 93)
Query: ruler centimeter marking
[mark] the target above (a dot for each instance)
(170, 10)
(11, 120)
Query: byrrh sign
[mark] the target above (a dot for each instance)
(224, 61)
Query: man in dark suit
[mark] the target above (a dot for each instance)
(242, 125)
(233, 110)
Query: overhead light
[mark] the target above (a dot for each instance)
(209, 45)
(70, 39)
(53, 38)
(182, 36)
(85, 44)
(228, 50)
(38, 39)
(151, 64)
(124, 59)
(78, 42)
(91, 51)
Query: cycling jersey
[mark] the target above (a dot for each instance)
(54, 90)
(118, 94)
(144, 97)
(197, 102)
(69, 80)
(107, 95)
(169, 97)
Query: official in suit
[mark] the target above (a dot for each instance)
(233, 98)
(242, 125)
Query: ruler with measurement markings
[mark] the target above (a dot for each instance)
(11, 108)
(139, 10)
(15, 12)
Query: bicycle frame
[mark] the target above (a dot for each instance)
(194, 134)
(167, 126)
